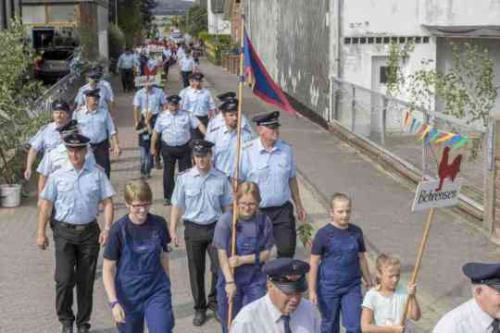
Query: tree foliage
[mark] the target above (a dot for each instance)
(135, 19)
(17, 94)
(195, 20)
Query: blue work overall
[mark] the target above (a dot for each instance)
(249, 280)
(339, 286)
(143, 288)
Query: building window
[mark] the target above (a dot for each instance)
(61, 13)
(34, 15)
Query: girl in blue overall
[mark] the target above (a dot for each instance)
(338, 262)
(253, 244)
(135, 267)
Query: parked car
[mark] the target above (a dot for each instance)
(176, 37)
(53, 64)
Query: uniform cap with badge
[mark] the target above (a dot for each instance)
(483, 273)
(174, 99)
(225, 96)
(201, 147)
(94, 74)
(68, 128)
(229, 105)
(76, 140)
(196, 76)
(92, 93)
(268, 119)
(287, 274)
(60, 105)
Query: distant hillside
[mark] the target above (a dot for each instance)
(172, 7)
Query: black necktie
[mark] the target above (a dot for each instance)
(286, 322)
(495, 325)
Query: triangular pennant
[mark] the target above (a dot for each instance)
(455, 139)
(443, 137)
(461, 143)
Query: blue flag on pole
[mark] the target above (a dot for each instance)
(262, 84)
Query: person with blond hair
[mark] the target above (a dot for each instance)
(254, 240)
(135, 267)
(383, 305)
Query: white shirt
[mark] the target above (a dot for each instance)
(466, 318)
(262, 316)
(197, 101)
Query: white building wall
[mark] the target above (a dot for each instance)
(216, 23)
(459, 12)
(102, 31)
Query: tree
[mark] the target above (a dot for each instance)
(196, 20)
(17, 95)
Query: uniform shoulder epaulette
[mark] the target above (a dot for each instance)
(248, 144)
(214, 129)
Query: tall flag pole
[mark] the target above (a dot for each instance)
(237, 158)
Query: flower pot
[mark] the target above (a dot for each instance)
(10, 195)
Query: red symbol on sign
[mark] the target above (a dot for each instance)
(448, 170)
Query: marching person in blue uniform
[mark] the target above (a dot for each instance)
(168, 58)
(338, 263)
(106, 100)
(135, 270)
(175, 126)
(218, 119)
(481, 313)
(254, 241)
(100, 73)
(96, 123)
(201, 195)
(48, 137)
(75, 192)
(269, 162)
(282, 309)
(58, 157)
(148, 104)
(125, 65)
(224, 137)
(198, 100)
(188, 66)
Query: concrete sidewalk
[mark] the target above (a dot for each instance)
(381, 207)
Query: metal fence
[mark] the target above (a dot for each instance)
(379, 119)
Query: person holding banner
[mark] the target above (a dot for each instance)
(174, 126)
(225, 136)
(268, 161)
(254, 241)
(198, 100)
(338, 263)
(384, 304)
(481, 314)
(201, 196)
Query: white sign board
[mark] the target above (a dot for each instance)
(427, 195)
(140, 81)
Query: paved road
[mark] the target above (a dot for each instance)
(381, 208)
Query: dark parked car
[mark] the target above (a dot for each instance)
(53, 64)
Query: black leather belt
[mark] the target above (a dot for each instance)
(77, 227)
(198, 225)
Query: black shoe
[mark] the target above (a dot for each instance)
(67, 329)
(84, 328)
(199, 318)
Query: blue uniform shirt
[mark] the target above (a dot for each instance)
(175, 129)
(272, 170)
(224, 151)
(202, 197)
(76, 194)
(57, 158)
(199, 102)
(105, 95)
(46, 139)
(248, 228)
(155, 100)
(127, 61)
(187, 64)
(96, 125)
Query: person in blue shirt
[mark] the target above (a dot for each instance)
(338, 262)
(225, 138)
(168, 58)
(48, 137)
(174, 126)
(188, 67)
(96, 123)
(135, 269)
(198, 101)
(218, 119)
(75, 193)
(126, 64)
(269, 162)
(201, 195)
(106, 100)
(240, 277)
